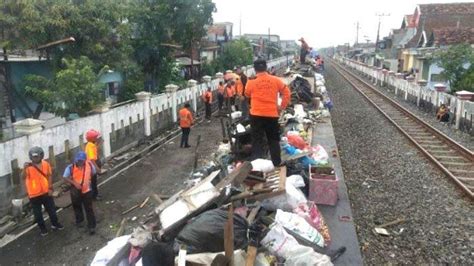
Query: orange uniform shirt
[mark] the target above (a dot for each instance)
(185, 118)
(239, 87)
(263, 93)
(36, 183)
(91, 151)
(229, 91)
(207, 97)
(221, 89)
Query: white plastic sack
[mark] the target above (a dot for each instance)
(296, 180)
(282, 244)
(300, 226)
(262, 165)
(306, 256)
(299, 111)
(287, 201)
(319, 154)
(105, 254)
(236, 114)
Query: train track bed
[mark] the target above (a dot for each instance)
(389, 179)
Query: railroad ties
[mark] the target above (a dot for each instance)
(452, 158)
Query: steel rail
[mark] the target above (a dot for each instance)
(372, 94)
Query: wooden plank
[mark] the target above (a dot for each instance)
(229, 235)
(236, 177)
(131, 209)
(253, 213)
(121, 228)
(144, 202)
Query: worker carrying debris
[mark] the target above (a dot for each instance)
(39, 187)
(79, 175)
(265, 110)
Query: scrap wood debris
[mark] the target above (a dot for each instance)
(228, 203)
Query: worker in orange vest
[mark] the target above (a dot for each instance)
(79, 175)
(229, 94)
(207, 98)
(39, 187)
(92, 151)
(220, 95)
(185, 122)
(264, 110)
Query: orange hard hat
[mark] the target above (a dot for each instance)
(92, 135)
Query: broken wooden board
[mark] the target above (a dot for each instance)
(237, 176)
(188, 202)
(273, 186)
(286, 158)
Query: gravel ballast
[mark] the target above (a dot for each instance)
(461, 137)
(389, 179)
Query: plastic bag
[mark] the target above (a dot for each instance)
(300, 226)
(305, 160)
(205, 233)
(309, 211)
(319, 155)
(296, 141)
(287, 201)
(296, 180)
(282, 244)
(105, 254)
(262, 165)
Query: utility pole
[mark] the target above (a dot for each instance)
(268, 46)
(240, 25)
(380, 15)
(357, 33)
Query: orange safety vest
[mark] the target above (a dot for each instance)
(185, 118)
(239, 87)
(207, 97)
(37, 184)
(220, 90)
(82, 175)
(263, 93)
(229, 92)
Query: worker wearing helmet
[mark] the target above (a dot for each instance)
(39, 187)
(265, 110)
(92, 151)
(79, 175)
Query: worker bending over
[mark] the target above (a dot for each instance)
(263, 92)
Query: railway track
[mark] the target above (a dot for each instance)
(456, 161)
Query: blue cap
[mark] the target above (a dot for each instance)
(80, 156)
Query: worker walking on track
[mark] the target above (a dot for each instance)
(207, 97)
(39, 187)
(92, 151)
(264, 110)
(79, 175)
(185, 122)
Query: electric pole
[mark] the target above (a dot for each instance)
(380, 15)
(357, 32)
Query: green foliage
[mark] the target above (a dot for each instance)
(453, 60)
(236, 53)
(74, 89)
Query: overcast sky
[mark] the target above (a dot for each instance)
(322, 23)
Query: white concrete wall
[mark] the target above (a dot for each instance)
(17, 148)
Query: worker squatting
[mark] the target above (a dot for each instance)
(260, 93)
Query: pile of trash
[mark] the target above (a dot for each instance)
(241, 212)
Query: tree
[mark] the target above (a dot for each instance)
(192, 18)
(74, 88)
(235, 53)
(458, 64)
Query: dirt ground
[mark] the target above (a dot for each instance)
(163, 172)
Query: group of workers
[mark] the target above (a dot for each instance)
(237, 91)
(81, 175)
(263, 93)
